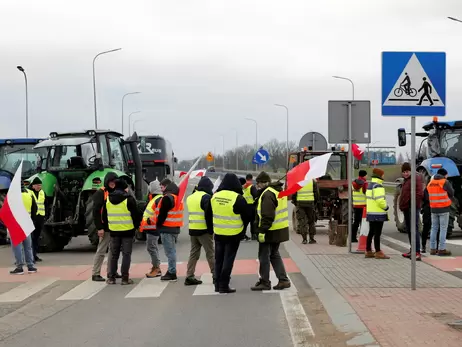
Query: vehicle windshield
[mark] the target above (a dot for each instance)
(72, 157)
(11, 156)
(450, 145)
(334, 166)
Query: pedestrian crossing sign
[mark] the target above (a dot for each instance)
(413, 83)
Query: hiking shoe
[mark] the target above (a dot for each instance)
(260, 286)
(192, 281)
(31, 270)
(444, 253)
(111, 280)
(282, 285)
(17, 271)
(126, 281)
(155, 272)
(97, 278)
(433, 251)
(312, 241)
(169, 277)
(381, 255)
(369, 254)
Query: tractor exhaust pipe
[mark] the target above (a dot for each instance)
(133, 141)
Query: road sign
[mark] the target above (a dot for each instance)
(314, 140)
(360, 121)
(209, 156)
(261, 157)
(413, 83)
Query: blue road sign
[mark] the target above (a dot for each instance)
(261, 157)
(413, 83)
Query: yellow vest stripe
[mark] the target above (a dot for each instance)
(281, 215)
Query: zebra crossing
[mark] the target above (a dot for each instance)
(146, 288)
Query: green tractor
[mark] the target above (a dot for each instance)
(73, 169)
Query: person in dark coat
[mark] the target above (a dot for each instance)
(426, 221)
(229, 203)
(39, 196)
(272, 229)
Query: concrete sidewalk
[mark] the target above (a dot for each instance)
(371, 299)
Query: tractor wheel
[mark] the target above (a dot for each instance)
(398, 215)
(92, 232)
(294, 220)
(52, 243)
(3, 233)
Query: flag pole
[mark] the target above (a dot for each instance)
(192, 168)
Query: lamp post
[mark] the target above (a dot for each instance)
(256, 137)
(130, 121)
(287, 127)
(455, 19)
(20, 68)
(123, 97)
(94, 81)
(137, 121)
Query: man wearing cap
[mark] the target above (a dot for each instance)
(440, 193)
(38, 195)
(272, 229)
(376, 208)
(405, 206)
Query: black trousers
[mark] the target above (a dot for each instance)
(375, 231)
(124, 245)
(38, 224)
(225, 254)
(358, 216)
(251, 213)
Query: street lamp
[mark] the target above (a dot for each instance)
(352, 84)
(455, 19)
(287, 127)
(94, 81)
(137, 121)
(130, 121)
(20, 68)
(123, 97)
(256, 137)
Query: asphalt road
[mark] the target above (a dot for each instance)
(64, 308)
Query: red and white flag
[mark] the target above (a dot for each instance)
(357, 151)
(303, 173)
(184, 182)
(14, 214)
(217, 184)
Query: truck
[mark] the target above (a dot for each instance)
(157, 157)
(12, 151)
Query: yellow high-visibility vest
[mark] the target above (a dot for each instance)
(376, 201)
(40, 201)
(196, 213)
(119, 217)
(359, 198)
(281, 218)
(27, 201)
(225, 221)
(248, 195)
(306, 193)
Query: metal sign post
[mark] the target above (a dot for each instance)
(413, 207)
(350, 177)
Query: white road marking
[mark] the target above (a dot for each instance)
(166, 263)
(148, 288)
(395, 241)
(454, 242)
(26, 290)
(207, 287)
(84, 291)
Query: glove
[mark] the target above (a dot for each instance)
(261, 238)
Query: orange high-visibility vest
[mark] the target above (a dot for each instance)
(437, 195)
(175, 215)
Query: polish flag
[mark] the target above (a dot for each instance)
(195, 173)
(303, 173)
(184, 182)
(13, 213)
(217, 184)
(357, 152)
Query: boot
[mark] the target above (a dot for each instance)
(192, 281)
(444, 253)
(304, 239)
(312, 241)
(432, 251)
(155, 272)
(260, 286)
(381, 255)
(282, 285)
(369, 254)
(126, 281)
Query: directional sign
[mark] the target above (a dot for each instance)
(261, 157)
(413, 83)
(209, 156)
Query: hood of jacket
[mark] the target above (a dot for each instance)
(438, 177)
(279, 186)
(171, 188)
(111, 176)
(205, 185)
(154, 187)
(118, 196)
(358, 183)
(231, 182)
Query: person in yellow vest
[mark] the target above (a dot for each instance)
(38, 195)
(229, 210)
(26, 245)
(273, 229)
(123, 218)
(148, 225)
(305, 211)
(200, 229)
(359, 202)
(376, 209)
(250, 194)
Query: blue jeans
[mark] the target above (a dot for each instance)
(28, 254)
(168, 241)
(439, 221)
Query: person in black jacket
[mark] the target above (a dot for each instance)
(200, 228)
(99, 200)
(227, 243)
(121, 238)
(35, 189)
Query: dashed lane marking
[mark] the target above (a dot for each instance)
(148, 288)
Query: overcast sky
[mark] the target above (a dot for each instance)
(203, 66)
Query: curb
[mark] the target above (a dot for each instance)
(343, 316)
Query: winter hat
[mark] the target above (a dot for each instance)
(154, 187)
(362, 173)
(405, 167)
(242, 180)
(165, 182)
(263, 177)
(378, 172)
(442, 172)
(36, 180)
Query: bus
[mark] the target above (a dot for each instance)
(157, 157)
